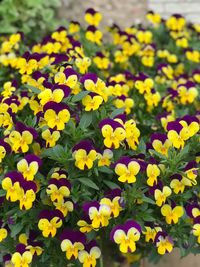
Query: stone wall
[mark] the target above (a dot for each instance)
(188, 8)
(122, 12)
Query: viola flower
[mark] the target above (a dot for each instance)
(161, 195)
(92, 17)
(5, 149)
(29, 166)
(112, 199)
(175, 22)
(187, 92)
(9, 88)
(161, 143)
(172, 214)
(83, 64)
(35, 247)
(21, 137)
(192, 55)
(163, 243)
(99, 214)
(104, 159)
(177, 183)
(196, 75)
(132, 134)
(152, 173)
(196, 228)
(74, 27)
(56, 93)
(127, 169)
(165, 118)
(152, 99)
(101, 61)
(11, 183)
(68, 77)
(85, 225)
(58, 174)
(51, 137)
(154, 18)
(151, 232)
(56, 115)
(113, 133)
(177, 134)
(144, 36)
(3, 232)
(144, 84)
(49, 222)
(126, 236)
(58, 189)
(94, 35)
(92, 101)
(26, 66)
(84, 154)
(65, 206)
(72, 242)
(94, 84)
(190, 124)
(165, 70)
(22, 257)
(90, 254)
(191, 173)
(27, 194)
(124, 102)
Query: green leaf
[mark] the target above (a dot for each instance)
(86, 120)
(79, 96)
(111, 185)
(33, 89)
(148, 200)
(105, 169)
(142, 146)
(88, 183)
(116, 112)
(15, 229)
(2, 193)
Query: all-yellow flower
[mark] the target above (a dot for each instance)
(127, 169)
(172, 215)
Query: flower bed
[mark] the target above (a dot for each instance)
(99, 145)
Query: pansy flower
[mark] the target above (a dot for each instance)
(177, 183)
(58, 189)
(172, 213)
(29, 166)
(104, 158)
(21, 137)
(94, 35)
(3, 232)
(164, 243)
(187, 92)
(113, 133)
(127, 169)
(9, 88)
(22, 257)
(84, 154)
(55, 93)
(12, 184)
(34, 246)
(126, 236)
(56, 115)
(74, 27)
(153, 17)
(59, 173)
(196, 75)
(193, 210)
(49, 222)
(65, 206)
(161, 193)
(99, 214)
(68, 77)
(26, 65)
(83, 63)
(151, 232)
(191, 173)
(5, 149)
(175, 22)
(190, 124)
(92, 101)
(101, 61)
(152, 173)
(196, 228)
(177, 134)
(51, 137)
(165, 118)
(92, 17)
(27, 194)
(90, 254)
(124, 102)
(132, 134)
(85, 224)
(143, 83)
(160, 143)
(112, 199)
(72, 242)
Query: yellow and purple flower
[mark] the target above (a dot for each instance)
(163, 242)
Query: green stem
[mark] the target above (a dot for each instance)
(101, 261)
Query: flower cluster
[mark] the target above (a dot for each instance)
(100, 139)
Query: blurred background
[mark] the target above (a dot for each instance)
(47, 15)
